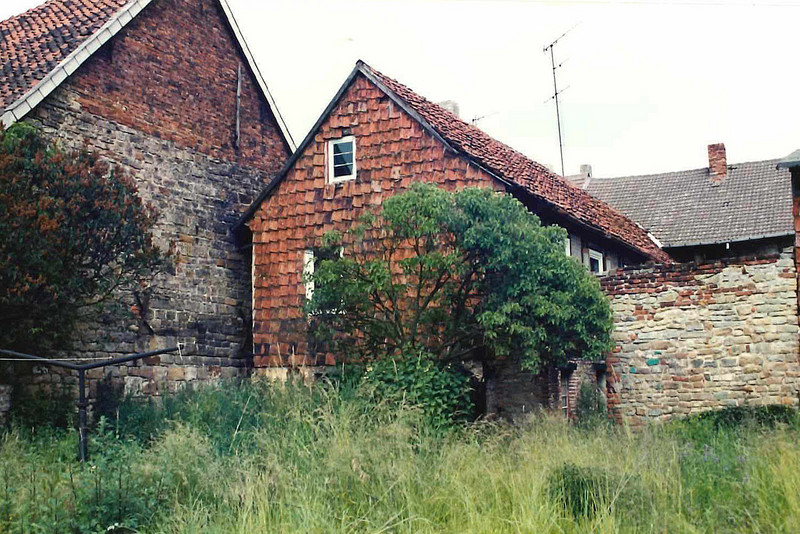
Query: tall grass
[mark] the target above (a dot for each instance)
(261, 458)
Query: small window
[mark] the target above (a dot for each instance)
(342, 159)
(311, 259)
(567, 245)
(596, 263)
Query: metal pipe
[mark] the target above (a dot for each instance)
(123, 359)
(39, 359)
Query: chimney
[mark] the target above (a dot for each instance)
(451, 106)
(586, 171)
(717, 163)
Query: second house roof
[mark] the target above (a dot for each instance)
(687, 208)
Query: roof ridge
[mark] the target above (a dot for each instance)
(683, 171)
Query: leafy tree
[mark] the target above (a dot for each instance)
(457, 275)
(72, 232)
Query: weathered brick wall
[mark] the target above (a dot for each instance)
(160, 100)
(692, 338)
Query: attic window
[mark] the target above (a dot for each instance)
(342, 159)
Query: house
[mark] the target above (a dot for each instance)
(169, 90)
(723, 210)
(373, 140)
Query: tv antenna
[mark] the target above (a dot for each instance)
(556, 92)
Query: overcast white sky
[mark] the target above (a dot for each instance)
(650, 83)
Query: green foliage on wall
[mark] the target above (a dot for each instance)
(72, 231)
(459, 275)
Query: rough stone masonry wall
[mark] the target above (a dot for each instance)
(691, 338)
(160, 100)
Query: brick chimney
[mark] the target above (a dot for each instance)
(717, 163)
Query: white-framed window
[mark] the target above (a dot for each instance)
(567, 246)
(341, 159)
(596, 261)
(308, 272)
(310, 258)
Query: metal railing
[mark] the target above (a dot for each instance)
(83, 452)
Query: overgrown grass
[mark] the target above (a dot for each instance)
(260, 458)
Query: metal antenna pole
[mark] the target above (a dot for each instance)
(558, 112)
(556, 92)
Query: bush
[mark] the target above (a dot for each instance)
(443, 391)
(761, 416)
(73, 231)
(581, 490)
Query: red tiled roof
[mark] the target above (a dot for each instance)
(34, 43)
(534, 178)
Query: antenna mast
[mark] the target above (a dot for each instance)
(556, 92)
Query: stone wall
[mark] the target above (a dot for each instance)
(691, 338)
(5, 402)
(160, 100)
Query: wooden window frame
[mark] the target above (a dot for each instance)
(339, 179)
(595, 254)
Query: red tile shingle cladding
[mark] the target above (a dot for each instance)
(400, 138)
(160, 98)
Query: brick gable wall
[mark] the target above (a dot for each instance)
(161, 101)
(172, 73)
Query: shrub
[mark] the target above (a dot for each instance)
(581, 490)
(455, 275)
(72, 231)
(738, 416)
(443, 391)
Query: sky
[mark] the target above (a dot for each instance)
(647, 85)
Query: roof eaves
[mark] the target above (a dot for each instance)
(247, 215)
(262, 84)
(24, 104)
(740, 239)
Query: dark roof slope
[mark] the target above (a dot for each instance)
(686, 208)
(33, 43)
(514, 167)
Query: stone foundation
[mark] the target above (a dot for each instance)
(5, 403)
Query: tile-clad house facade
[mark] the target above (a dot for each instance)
(169, 90)
(397, 137)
